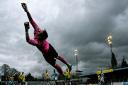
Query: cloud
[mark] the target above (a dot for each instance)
(81, 24)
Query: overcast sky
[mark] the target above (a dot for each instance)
(71, 24)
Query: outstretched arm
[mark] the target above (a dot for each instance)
(30, 41)
(35, 26)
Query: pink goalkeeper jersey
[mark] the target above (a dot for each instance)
(43, 46)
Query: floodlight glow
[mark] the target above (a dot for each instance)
(109, 39)
(75, 50)
(109, 43)
(23, 1)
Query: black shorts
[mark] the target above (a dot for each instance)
(51, 55)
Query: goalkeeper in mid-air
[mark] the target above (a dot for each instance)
(40, 41)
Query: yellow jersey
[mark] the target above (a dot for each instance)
(67, 74)
(22, 77)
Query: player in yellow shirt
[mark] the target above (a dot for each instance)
(46, 75)
(67, 75)
(22, 78)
